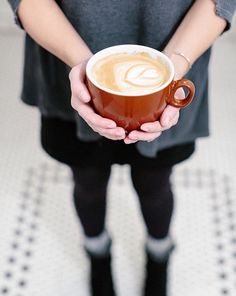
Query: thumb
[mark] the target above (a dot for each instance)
(168, 114)
(81, 92)
(77, 83)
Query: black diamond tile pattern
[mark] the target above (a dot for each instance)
(38, 211)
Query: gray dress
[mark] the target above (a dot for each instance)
(103, 23)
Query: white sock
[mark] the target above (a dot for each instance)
(98, 245)
(159, 249)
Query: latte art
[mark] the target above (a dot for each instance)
(129, 73)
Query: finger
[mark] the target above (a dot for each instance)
(180, 94)
(167, 116)
(113, 134)
(129, 141)
(173, 122)
(143, 136)
(151, 127)
(93, 119)
(175, 119)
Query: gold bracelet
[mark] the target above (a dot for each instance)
(183, 56)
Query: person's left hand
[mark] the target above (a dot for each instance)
(149, 131)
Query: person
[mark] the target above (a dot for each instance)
(61, 37)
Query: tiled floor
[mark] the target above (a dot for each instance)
(40, 238)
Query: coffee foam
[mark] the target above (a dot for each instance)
(129, 73)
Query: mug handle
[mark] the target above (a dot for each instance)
(180, 103)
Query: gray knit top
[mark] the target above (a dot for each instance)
(103, 23)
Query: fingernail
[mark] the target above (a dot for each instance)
(111, 125)
(120, 134)
(145, 129)
(133, 138)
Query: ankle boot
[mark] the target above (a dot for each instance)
(156, 277)
(158, 253)
(157, 273)
(101, 283)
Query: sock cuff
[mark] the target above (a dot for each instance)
(98, 245)
(159, 249)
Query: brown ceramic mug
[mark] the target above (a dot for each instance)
(131, 110)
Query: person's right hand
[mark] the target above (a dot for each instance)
(80, 101)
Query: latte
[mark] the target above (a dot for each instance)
(130, 73)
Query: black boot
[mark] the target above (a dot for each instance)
(156, 277)
(101, 282)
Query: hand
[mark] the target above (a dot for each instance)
(152, 130)
(80, 99)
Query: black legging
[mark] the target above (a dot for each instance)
(152, 186)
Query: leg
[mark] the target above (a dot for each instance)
(90, 185)
(156, 200)
(90, 204)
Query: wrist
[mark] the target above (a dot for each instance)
(76, 51)
(75, 59)
(181, 62)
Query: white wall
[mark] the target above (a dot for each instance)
(6, 15)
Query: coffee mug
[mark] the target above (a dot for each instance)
(132, 85)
